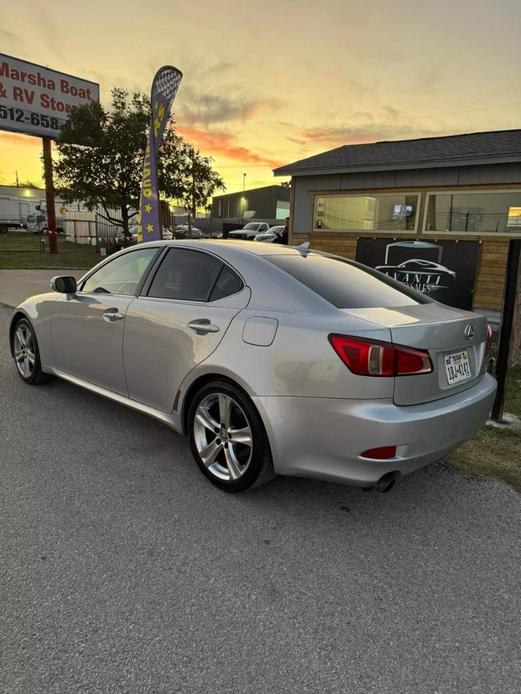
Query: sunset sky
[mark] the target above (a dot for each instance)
(272, 81)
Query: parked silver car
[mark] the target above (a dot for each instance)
(272, 359)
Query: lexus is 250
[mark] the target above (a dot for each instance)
(272, 359)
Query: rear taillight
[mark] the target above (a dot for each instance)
(374, 358)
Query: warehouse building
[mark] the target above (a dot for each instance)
(267, 203)
(436, 213)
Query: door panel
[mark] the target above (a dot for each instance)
(160, 347)
(87, 343)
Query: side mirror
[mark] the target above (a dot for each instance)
(64, 285)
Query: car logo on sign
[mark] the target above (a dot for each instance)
(468, 332)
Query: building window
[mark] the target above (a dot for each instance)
(474, 212)
(282, 209)
(387, 212)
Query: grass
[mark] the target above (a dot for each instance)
(20, 250)
(494, 454)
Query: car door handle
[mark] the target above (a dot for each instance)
(203, 326)
(111, 315)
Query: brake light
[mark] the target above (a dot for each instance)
(374, 358)
(381, 453)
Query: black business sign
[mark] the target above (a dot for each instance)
(445, 270)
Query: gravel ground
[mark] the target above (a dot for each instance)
(124, 570)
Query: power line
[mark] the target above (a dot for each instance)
(469, 110)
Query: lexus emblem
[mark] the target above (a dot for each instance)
(469, 331)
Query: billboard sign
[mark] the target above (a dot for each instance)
(36, 100)
(444, 270)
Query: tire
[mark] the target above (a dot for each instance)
(226, 431)
(27, 355)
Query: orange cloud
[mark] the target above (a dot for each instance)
(224, 145)
(365, 129)
(7, 138)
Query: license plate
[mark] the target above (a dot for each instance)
(457, 367)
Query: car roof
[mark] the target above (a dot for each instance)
(224, 246)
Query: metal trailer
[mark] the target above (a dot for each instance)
(20, 205)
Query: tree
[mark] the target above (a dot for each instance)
(196, 180)
(101, 158)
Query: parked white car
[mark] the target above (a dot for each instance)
(249, 231)
(271, 235)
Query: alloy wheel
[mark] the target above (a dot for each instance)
(24, 351)
(223, 436)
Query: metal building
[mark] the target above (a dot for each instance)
(268, 203)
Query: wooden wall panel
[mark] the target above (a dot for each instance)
(490, 280)
(338, 244)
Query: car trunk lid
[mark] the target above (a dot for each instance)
(455, 339)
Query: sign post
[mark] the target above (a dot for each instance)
(35, 100)
(49, 195)
(505, 332)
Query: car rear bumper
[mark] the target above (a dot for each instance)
(323, 438)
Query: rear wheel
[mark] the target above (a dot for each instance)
(27, 355)
(227, 438)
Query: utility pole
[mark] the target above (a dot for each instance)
(243, 197)
(49, 195)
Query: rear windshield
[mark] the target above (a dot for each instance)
(347, 284)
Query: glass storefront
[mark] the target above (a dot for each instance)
(472, 212)
(475, 212)
(386, 212)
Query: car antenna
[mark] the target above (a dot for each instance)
(304, 249)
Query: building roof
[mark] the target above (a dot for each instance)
(499, 146)
(21, 192)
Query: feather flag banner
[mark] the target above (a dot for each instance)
(164, 89)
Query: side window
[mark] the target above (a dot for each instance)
(228, 283)
(185, 275)
(121, 275)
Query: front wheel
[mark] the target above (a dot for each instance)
(27, 355)
(227, 438)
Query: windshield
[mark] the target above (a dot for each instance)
(251, 226)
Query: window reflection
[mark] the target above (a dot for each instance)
(378, 212)
(476, 212)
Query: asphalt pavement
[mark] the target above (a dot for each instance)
(17, 285)
(123, 570)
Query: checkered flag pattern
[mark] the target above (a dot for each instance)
(167, 83)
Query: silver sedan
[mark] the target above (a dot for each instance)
(273, 360)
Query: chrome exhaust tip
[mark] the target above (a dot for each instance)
(387, 482)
